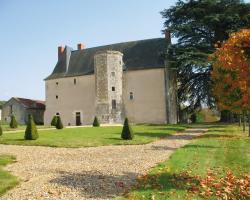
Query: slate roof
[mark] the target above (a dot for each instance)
(142, 54)
(31, 104)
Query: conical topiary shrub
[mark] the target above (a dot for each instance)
(13, 122)
(59, 124)
(96, 122)
(54, 121)
(1, 130)
(127, 132)
(31, 131)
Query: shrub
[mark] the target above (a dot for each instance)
(13, 122)
(54, 121)
(31, 131)
(1, 130)
(127, 132)
(59, 124)
(96, 122)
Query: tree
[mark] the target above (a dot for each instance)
(231, 73)
(31, 130)
(1, 130)
(96, 122)
(13, 122)
(198, 25)
(127, 132)
(54, 121)
(59, 124)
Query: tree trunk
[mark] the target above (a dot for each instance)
(244, 121)
(226, 116)
(249, 123)
(239, 120)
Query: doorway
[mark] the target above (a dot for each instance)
(78, 119)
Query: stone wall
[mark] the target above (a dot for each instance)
(108, 79)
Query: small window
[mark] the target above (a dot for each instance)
(131, 96)
(56, 96)
(74, 81)
(113, 104)
(113, 88)
(112, 73)
(57, 114)
(11, 109)
(120, 62)
(56, 83)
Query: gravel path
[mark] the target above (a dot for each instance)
(86, 173)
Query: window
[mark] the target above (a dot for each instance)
(57, 114)
(56, 96)
(120, 62)
(56, 83)
(113, 104)
(131, 96)
(113, 88)
(74, 81)
(11, 109)
(112, 73)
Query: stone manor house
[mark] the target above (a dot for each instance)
(112, 82)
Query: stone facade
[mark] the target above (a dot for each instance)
(108, 81)
(21, 108)
(112, 82)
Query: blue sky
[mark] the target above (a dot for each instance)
(31, 31)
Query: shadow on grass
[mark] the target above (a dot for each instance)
(94, 184)
(216, 136)
(199, 146)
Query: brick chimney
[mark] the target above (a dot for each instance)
(168, 35)
(80, 46)
(60, 51)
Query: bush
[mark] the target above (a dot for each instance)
(127, 132)
(96, 122)
(31, 131)
(54, 121)
(59, 124)
(13, 122)
(1, 130)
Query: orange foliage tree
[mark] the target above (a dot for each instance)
(231, 73)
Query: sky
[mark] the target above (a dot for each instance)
(31, 31)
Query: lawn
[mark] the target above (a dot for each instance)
(7, 181)
(6, 127)
(217, 163)
(92, 136)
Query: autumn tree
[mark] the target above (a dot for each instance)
(231, 73)
(198, 25)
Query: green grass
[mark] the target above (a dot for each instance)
(223, 148)
(6, 127)
(7, 181)
(92, 136)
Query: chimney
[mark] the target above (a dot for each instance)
(168, 35)
(60, 51)
(80, 46)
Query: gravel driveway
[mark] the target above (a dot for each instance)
(86, 173)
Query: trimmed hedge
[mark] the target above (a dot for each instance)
(59, 124)
(13, 122)
(31, 130)
(96, 122)
(1, 130)
(54, 121)
(127, 132)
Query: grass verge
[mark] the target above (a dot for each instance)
(7, 181)
(214, 166)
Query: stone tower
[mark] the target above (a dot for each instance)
(108, 79)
